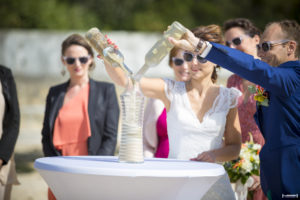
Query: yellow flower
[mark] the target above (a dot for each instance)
(255, 98)
(260, 98)
(260, 95)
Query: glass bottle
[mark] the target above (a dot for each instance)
(98, 41)
(132, 101)
(132, 112)
(161, 48)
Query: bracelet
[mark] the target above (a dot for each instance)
(200, 47)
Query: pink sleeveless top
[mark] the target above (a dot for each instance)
(72, 126)
(163, 141)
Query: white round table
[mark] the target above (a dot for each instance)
(104, 177)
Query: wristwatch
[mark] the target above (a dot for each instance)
(200, 47)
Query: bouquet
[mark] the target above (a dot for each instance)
(246, 164)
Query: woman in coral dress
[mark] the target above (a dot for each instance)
(82, 115)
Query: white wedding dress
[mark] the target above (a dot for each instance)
(188, 137)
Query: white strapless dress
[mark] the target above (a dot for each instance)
(188, 137)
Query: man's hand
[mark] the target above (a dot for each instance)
(188, 42)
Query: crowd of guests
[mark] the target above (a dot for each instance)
(189, 117)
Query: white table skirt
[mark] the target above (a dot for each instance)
(103, 177)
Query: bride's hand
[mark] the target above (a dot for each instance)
(188, 42)
(207, 156)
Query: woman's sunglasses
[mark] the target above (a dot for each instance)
(236, 41)
(187, 56)
(266, 46)
(71, 60)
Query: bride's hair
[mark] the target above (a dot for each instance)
(211, 33)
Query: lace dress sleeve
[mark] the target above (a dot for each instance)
(169, 88)
(234, 95)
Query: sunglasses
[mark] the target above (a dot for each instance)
(266, 46)
(177, 61)
(187, 56)
(71, 60)
(235, 41)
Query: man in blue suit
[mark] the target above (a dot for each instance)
(279, 74)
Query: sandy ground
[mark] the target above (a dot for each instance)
(32, 187)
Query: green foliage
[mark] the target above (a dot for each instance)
(45, 14)
(141, 15)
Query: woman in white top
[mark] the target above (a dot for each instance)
(155, 134)
(202, 118)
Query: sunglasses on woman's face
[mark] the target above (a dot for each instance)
(71, 60)
(266, 46)
(177, 61)
(187, 56)
(235, 41)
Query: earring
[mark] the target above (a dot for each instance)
(63, 71)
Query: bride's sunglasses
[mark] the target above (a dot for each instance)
(71, 60)
(187, 56)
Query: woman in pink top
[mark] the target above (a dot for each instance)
(82, 115)
(241, 34)
(156, 142)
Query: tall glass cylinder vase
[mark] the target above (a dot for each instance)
(132, 103)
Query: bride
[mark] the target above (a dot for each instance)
(202, 118)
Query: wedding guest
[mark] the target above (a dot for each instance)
(155, 134)
(9, 131)
(199, 112)
(81, 116)
(279, 74)
(241, 34)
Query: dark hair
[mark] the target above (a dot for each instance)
(76, 39)
(172, 54)
(244, 24)
(291, 29)
(211, 33)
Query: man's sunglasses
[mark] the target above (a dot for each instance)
(266, 46)
(187, 56)
(177, 61)
(236, 41)
(71, 60)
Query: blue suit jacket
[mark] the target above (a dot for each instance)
(279, 122)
